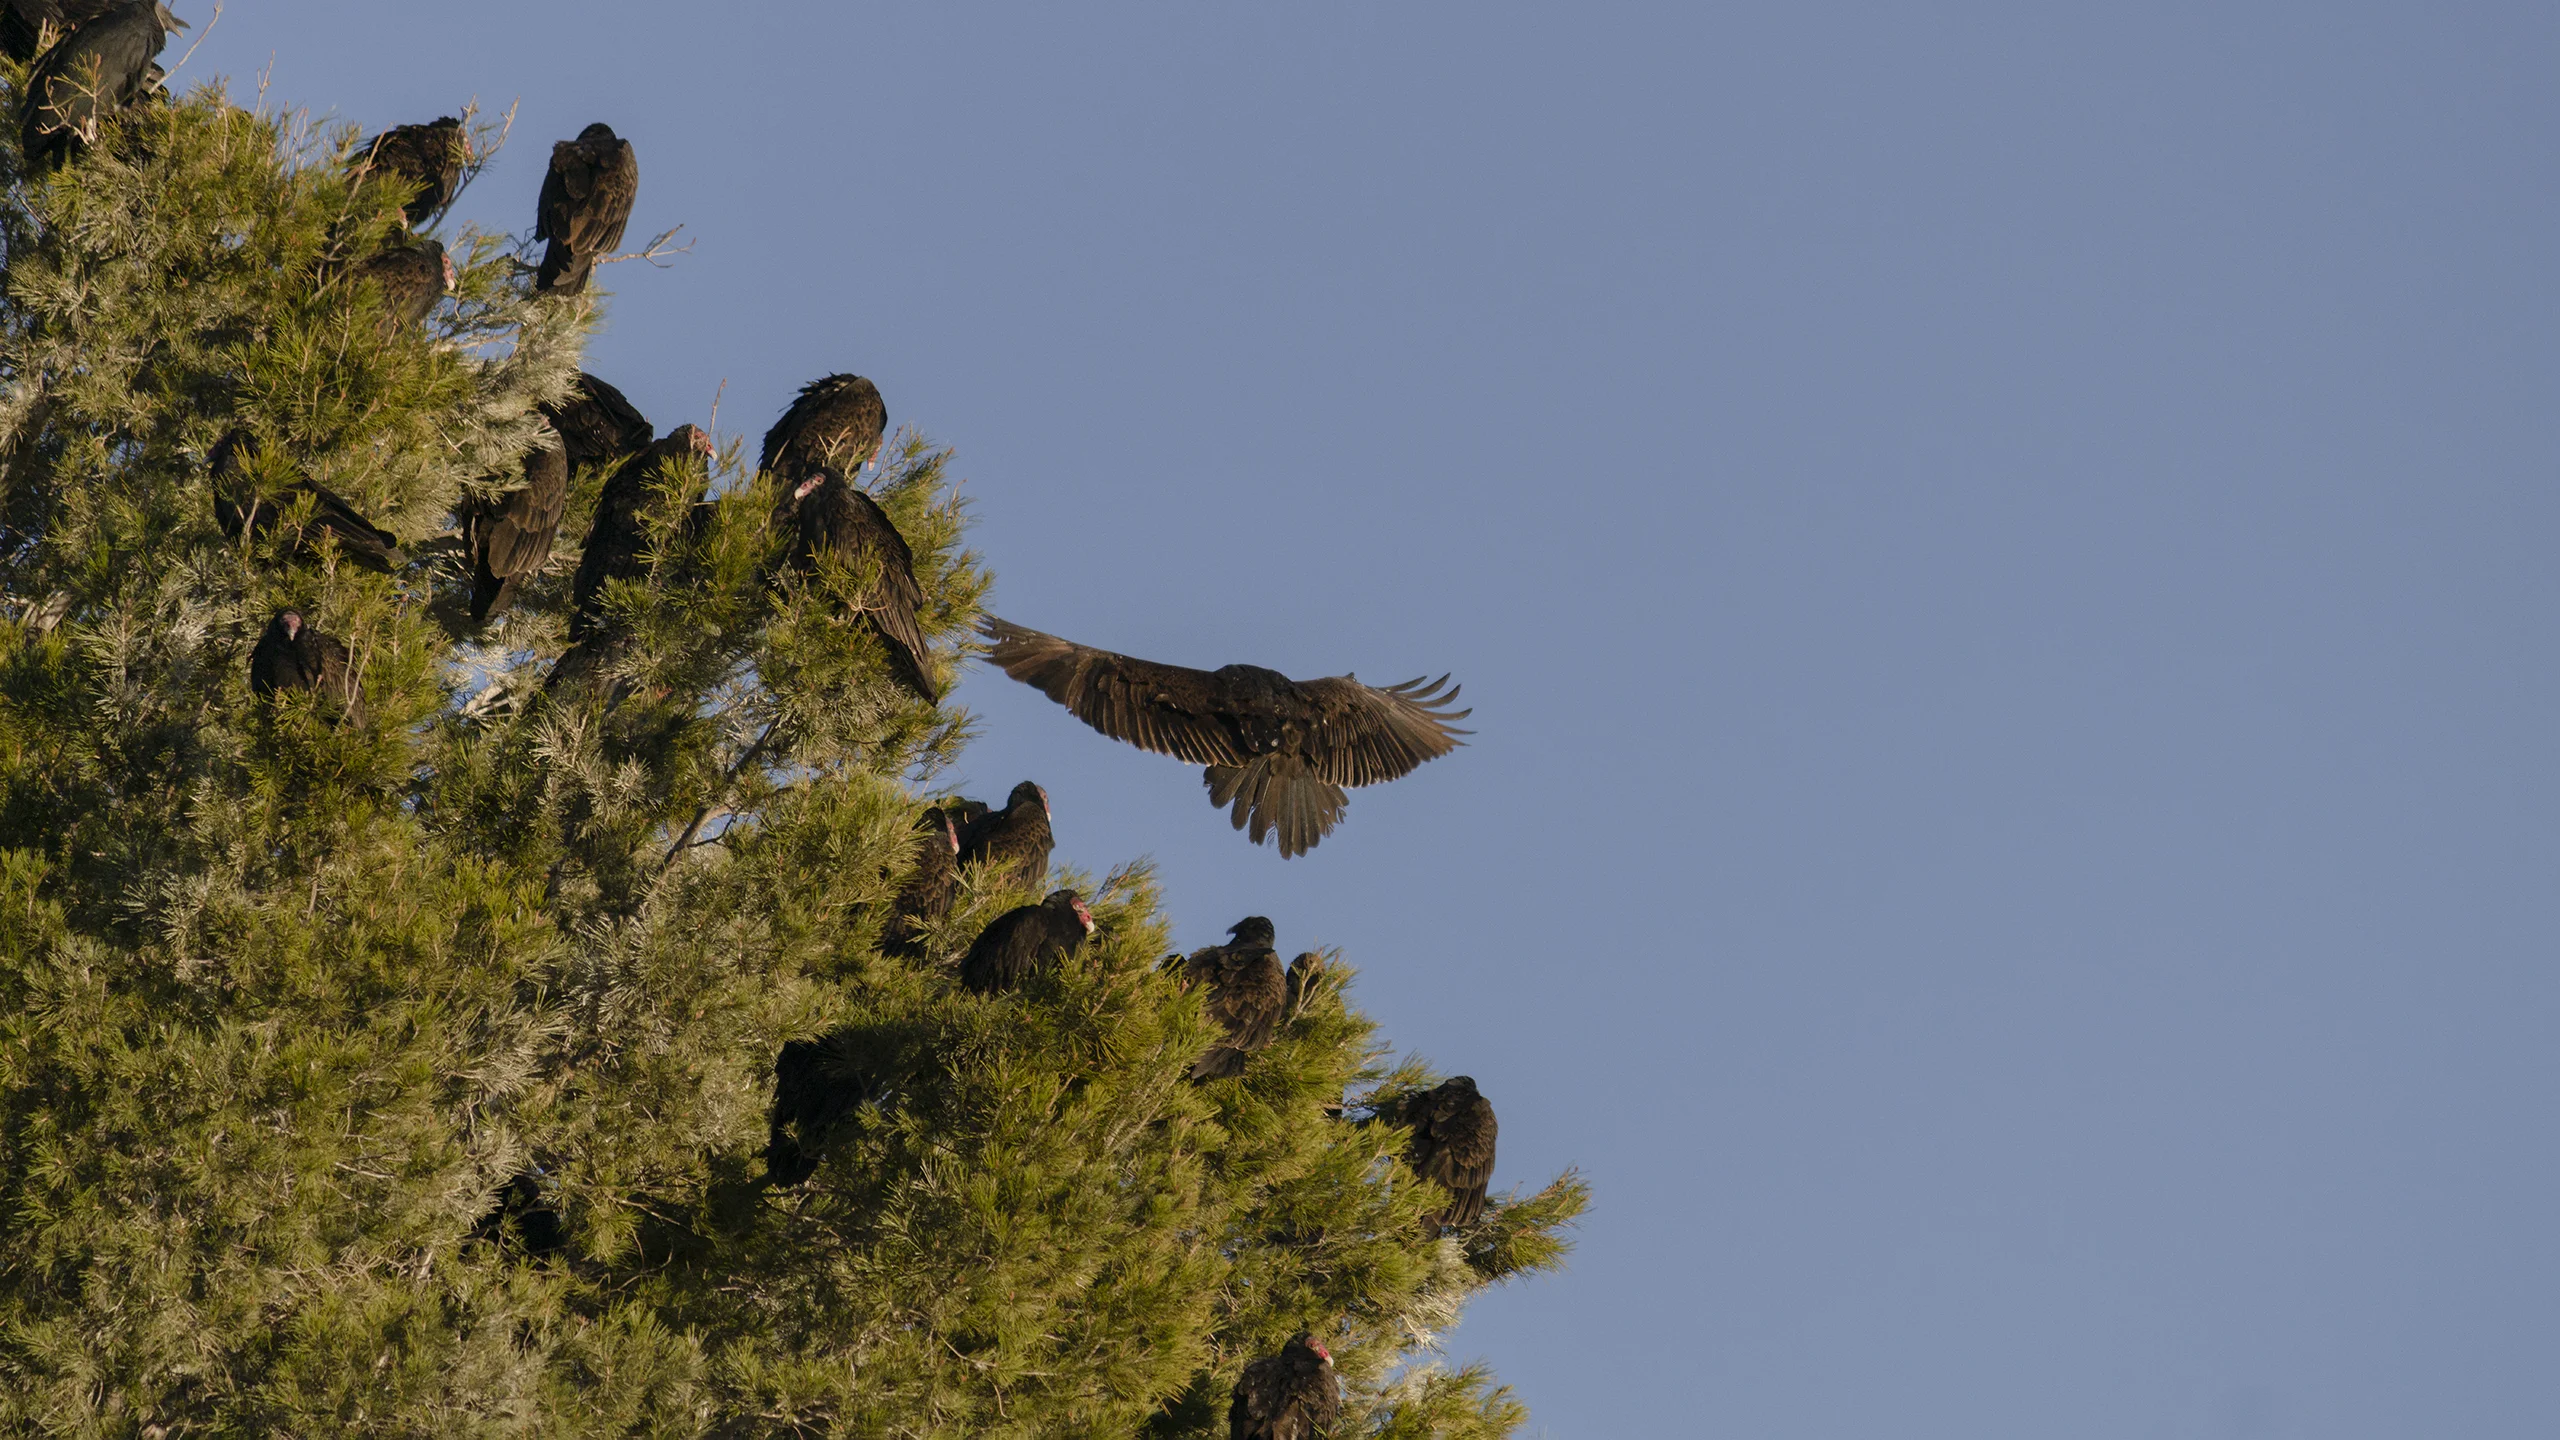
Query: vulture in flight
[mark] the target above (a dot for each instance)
(97, 69)
(1023, 939)
(413, 278)
(291, 655)
(1013, 843)
(1279, 750)
(1248, 992)
(598, 423)
(585, 202)
(1452, 1146)
(930, 887)
(427, 158)
(510, 536)
(240, 509)
(836, 424)
(1288, 1396)
(830, 517)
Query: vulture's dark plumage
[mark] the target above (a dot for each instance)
(510, 536)
(523, 1216)
(816, 1084)
(930, 887)
(1278, 750)
(1024, 939)
(413, 278)
(1248, 994)
(1288, 1396)
(830, 517)
(22, 22)
(239, 507)
(835, 424)
(1452, 1146)
(1012, 843)
(426, 159)
(617, 545)
(585, 202)
(94, 71)
(290, 655)
(597, 423)
(1304, 973)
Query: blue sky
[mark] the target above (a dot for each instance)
(2004, 558)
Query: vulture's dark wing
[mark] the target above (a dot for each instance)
(89, 74)
(1366, 734)
(585, 202)
(412, 279)
(428, 158)
(1165, 708)
(599, 423)
(1453, 1144)
(835, 421)
(511, 537)
(840, 518)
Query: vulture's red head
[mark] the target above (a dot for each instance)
(292, 623)
(448, 271)
(816, 479)
(951, 834)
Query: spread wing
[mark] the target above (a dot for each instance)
(1366, 734)
(1164, 708)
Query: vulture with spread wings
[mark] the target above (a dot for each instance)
(1278, 750)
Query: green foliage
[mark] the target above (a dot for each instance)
(411, 1075)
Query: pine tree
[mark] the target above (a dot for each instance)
(407, 1068)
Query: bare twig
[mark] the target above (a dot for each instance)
(652, 251)
(728, 782)
(207, 30)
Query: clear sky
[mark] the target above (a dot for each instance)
(2004, 558)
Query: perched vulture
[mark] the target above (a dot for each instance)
(1023, 939)
(22, 22)
(585, 202)
(413, 279)
(239, 508)
(510, 536)
(836, 424)
(618, 543)
(1288, 1396)
(427, 158)
(930, 887)
(1279, 750)
(89, 74)
(816, 1084)
(1248, 991)
(1452, 1146)
(598, 423)
(291, 655)
(1012, 843)
(830, 517)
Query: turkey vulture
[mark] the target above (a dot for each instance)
(1013, 843)
(930, 887)
(89, 74)
(510, 536)
(1280, 750)
(1247, 993)
(291, 655)
(1022, 939)
(816, 1084)
(833, 518)
(1288, 1396)
(22, 22)
(238, 508)
(585, 202)
(427, 158)
(618, 543)
(837, 423)
(413, 278)
(598, 423)
(1452, 1146)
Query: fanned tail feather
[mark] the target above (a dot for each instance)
(1276, 793)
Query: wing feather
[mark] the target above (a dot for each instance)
(1163, 708)
(1369, 734)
